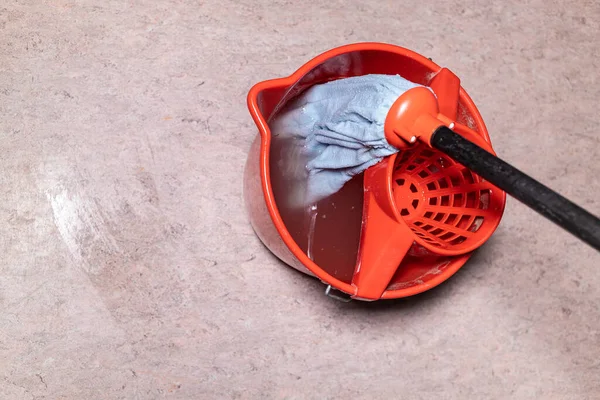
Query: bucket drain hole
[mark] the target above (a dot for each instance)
(472, 200)
(458, 240)
(484, 199)
(447, 236)
(433, 169)
(468, 176)
(476, 224)
(451, 219)
(458, 200)
(463, 222)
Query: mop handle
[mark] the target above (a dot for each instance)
(522, 187)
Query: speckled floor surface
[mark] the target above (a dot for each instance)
(129, 269)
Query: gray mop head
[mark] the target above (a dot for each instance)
(338, 131)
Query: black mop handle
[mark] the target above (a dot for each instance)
(522, 187)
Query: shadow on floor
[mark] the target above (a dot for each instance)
(428, 298)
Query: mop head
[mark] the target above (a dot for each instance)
(340, 125)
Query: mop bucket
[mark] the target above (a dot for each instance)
(421, 214)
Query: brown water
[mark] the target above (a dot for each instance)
(328, 231)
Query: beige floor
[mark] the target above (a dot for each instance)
(129, 269)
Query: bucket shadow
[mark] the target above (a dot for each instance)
(425, 299)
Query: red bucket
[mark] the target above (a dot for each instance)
(421, 216)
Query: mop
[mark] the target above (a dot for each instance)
(342, 125)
